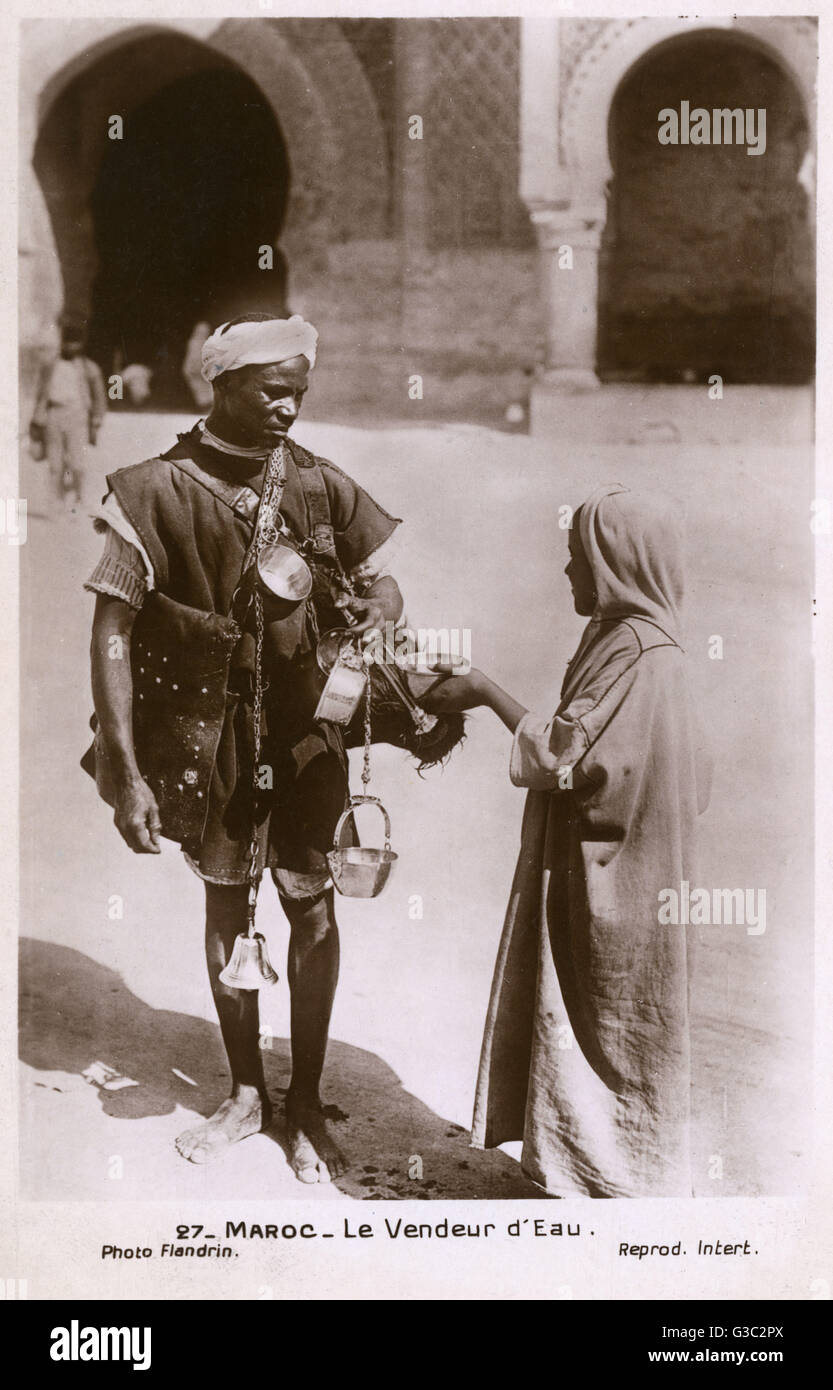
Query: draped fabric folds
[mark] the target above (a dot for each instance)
(586, 1048)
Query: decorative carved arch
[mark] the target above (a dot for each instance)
(53, 56)
(316, 86)
(310, 77)
(601, 66)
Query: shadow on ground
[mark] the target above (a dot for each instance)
(75, 1013)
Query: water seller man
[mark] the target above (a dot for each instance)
(174, 710)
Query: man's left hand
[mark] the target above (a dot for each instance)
(369, 614)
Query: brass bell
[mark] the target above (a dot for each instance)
(249, 966)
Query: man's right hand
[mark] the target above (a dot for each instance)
(137, 818)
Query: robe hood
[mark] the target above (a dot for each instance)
(634, 543)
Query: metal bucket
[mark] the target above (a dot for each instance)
(358, 872)
(339, 657)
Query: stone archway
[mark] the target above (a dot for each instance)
(707, 259)
(571, 70)
(160, 228)
(603, 53)
(305, 71)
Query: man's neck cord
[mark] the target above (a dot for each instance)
(214, 442)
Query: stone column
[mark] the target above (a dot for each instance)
(568, 243)
(539, 165)
(567, 230)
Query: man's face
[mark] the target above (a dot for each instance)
(263, 402)
(580, 575)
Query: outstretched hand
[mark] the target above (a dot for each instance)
(452, 692)
(467, 692)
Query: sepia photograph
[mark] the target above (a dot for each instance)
(416, 530)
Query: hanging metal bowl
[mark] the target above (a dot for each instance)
(358, 871)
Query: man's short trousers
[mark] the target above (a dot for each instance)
(303, 791)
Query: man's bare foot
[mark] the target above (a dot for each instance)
(236, 1119)
(313, 1153)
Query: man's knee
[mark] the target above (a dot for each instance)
(295, 887)
(311, 917)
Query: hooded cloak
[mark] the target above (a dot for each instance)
(586, 1047)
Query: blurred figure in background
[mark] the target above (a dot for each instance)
(201, 392)
(69, 408)
(137, 378)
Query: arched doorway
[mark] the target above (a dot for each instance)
(707, 260)
(162, 228)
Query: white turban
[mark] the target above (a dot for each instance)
(270, 340)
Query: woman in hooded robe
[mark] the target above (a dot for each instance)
(586, 1047)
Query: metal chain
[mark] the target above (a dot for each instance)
(347, 586)
(268, 529)
(367, 734)
(266, 533)
(257, 715)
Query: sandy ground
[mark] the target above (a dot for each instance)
(482, 550)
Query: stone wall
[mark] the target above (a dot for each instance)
(422, 252)
(468, 322)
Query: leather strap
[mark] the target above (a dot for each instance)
(243, 501)
(317, 502)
